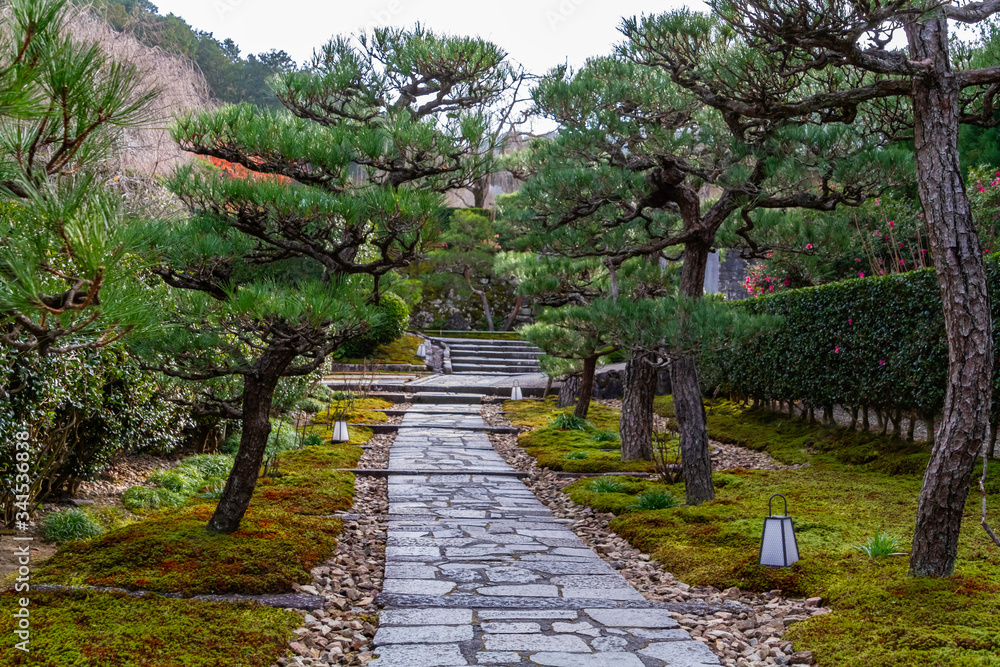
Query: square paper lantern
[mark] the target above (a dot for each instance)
(778, 547)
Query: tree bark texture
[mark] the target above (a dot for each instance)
(690, 412)
(637, 408)
(586, 387)
(568, 391)
(258, 395)
(958, 259)
(688, 405)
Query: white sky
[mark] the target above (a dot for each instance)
(539, 34)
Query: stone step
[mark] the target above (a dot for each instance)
(491, 354)
(395, 428)
(442, 398)
(470, 359)
(493, 368)
(487, 342)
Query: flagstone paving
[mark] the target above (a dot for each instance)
(479, 572)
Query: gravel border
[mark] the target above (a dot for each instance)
(750, 638)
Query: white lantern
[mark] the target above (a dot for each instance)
(778, 547)
(515, 392)
(421, 350)
(340, 433)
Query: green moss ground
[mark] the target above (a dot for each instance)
(86, 629)
(401, 351)
(280, 539)
(854, 485)
(551, 445)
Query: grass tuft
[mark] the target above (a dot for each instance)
(71, 524)
(654, 499)
(606, 485)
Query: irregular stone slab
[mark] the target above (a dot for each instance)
(497, 658)
(610, 594)
(577, 660)
(418, 586)
(671, 635)
(633, 618)
(609, 644)
(535, 642)
(511, 575)
(409, 571)
(418, 655)
(425, 617)
(530, 590)
(510, 628)
(682, 654)
(411, 552)
(581, 628)
(527, 613)
(438, 634)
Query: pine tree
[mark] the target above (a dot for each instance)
(626, 178)
(828, 61)
(70, 254)
(274, 272)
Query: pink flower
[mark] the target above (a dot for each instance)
(901, 245)
(836, 350)
(982, 189)
(787, 282)
(924, 250)
(878, 202)
(809, 246)
(902, 263)
(771, 288)
(882, 272)
(861, 274)
(881, 362)
(850, 320)
(877, 234)
(892, 225)
(857, 260)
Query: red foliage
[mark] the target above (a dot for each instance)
(233, 170)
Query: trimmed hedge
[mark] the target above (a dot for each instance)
(877, 342)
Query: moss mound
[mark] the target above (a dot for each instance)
(85, 629)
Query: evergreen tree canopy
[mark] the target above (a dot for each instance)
(274, 270)
(69, 255)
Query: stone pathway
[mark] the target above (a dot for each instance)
(479, 572)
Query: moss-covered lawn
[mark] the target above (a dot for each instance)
(400, 351)
(855, 485)
(286, 532)
(567, 450)
(87, 629)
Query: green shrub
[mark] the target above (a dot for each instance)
(71, 524)
(654, 499)
(311, 405)
(877, 341)
(231, 444)
(210, 465)
(390, 322)
(567, 422)
(143, 498)
(283, 438)
(607, 485)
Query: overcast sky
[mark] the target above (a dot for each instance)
(537, 33)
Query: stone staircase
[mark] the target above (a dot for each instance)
(469, 356)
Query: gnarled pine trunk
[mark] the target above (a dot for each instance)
(586, 387)
(258, 394)
(687, 394)
(958, 259)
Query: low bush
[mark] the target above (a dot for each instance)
(393, 316)
(71, 524)
(311, 405)
(182, 479)
(210, 465)
(565, 421)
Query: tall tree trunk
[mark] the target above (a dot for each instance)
(586, 387)
(688, 405)
(512, 318)
(637, 407)
(258, 395)
(482, 295)
(961, 276)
